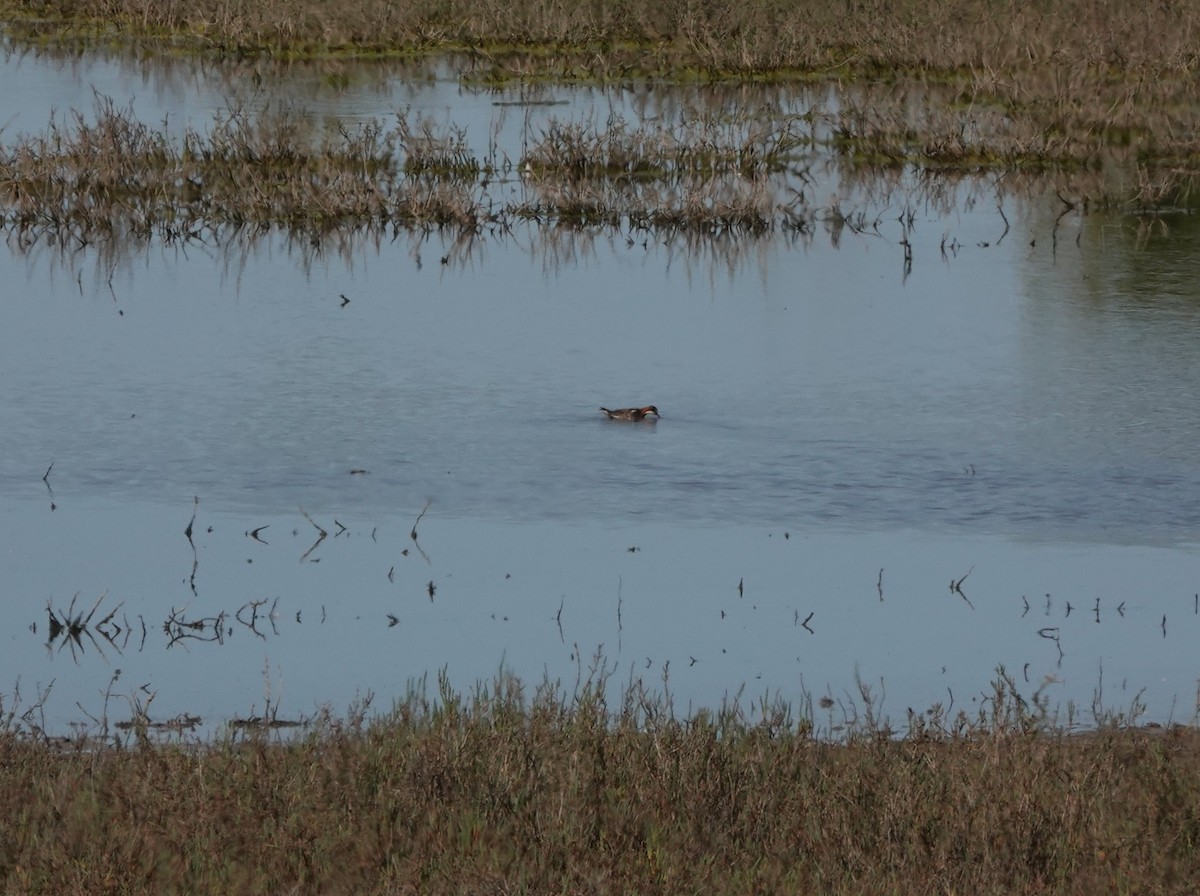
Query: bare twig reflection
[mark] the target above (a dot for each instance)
(251, 621)
(74, 627)
(188, 533)
(321, 536)
(46, 479)
(417, 544)
(208, 629)
(956, 587)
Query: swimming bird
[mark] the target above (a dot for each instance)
(633, 415)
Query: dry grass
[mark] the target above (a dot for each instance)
(1077, 40)
(1052, 51)
(112, 179)
(116, 177)
(744, 145)
(505, 791)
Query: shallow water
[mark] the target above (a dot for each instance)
(839, 436)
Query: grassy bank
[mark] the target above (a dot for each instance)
(977, 37)
(1021, 52)
(503, 791)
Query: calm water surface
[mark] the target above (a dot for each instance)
(839, 439)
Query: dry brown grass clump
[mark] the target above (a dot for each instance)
(116, 177)
(113, 179)
(505, 792)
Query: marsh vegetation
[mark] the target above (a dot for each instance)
(552, 789)
(1096, 97)
(116, 177)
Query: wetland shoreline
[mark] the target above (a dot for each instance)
(1097, 98)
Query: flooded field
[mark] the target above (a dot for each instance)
(937, 430)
